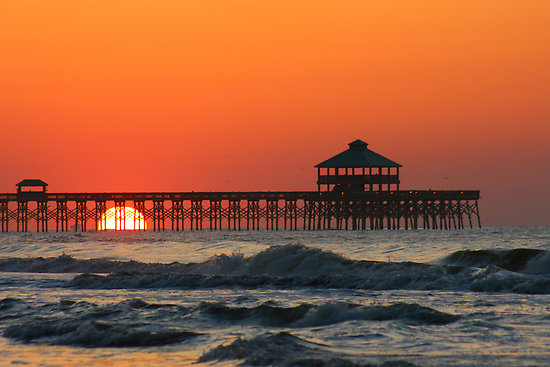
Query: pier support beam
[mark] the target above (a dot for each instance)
(81, 216)
(62, 217)
(177, 215)
(234, 214)
(120, 215)
(215, 214)
(272, 214)
(139, 206)
(4, 216)
(253, 214)
(42, 216)
(100, 218)
(196, 214)
(22, 216)
(158, 215)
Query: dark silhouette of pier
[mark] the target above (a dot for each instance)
(354, 192)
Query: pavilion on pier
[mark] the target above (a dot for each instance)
(31, 185)
(358, 169)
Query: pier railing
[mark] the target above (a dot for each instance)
(358, 179)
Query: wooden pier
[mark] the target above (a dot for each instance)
(309, 210)
(356, 189)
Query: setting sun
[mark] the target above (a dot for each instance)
(122, 218)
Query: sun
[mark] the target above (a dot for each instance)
(122, 218)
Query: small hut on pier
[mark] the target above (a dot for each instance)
(31, 185)
(358, 169)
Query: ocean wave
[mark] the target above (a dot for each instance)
(137, 323)
(284, 349)
(291, 266)
(86, 324)
(490, 279)
(522, 260)
(93, 334)
(307, 315)
(68, 264)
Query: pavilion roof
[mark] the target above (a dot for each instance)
(31, 182)
(356, 156)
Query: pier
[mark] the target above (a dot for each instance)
(245, 210)
(357, 189)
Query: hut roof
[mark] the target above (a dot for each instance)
(357, 155)
(31, 182)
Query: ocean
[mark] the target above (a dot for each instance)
(472, 297)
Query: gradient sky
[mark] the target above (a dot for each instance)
(111, 95)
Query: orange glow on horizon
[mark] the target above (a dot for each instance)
(122, 219)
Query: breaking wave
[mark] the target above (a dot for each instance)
(295, 265)
(529, 261)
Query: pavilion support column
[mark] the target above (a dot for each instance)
(398, 181)
(370, 179)
(329, 213)
(346, 214)
(337, 214)
(354, 214)
(372, 216)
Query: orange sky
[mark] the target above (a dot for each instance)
(111, 95)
